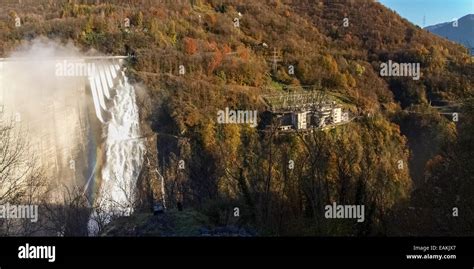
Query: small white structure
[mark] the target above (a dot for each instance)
(321, 116)
(299, 120)
(336, 115)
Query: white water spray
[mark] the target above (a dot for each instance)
(124, 151)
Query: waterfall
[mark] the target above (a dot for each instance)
(124, 151)
(123, 146)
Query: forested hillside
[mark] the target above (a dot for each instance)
(399, 157)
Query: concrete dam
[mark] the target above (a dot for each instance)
(81, 120)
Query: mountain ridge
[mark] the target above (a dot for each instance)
(463, 33)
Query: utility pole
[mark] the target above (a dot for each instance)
(276, 58)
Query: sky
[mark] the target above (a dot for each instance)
(429, 12)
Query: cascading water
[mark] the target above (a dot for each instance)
(123, 147)
(123, 152)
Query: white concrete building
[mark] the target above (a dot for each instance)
(299, 120)
(336, 115)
